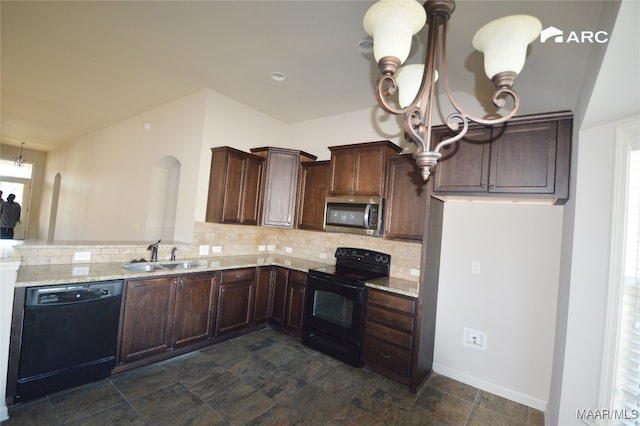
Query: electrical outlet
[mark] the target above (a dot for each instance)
(216, 249)
(262, 247)
(475, 339)
(80, 271)
(82, 256)
(322, 255)
(271, 247)
(288, 250)
(475, 267)
(414, 272)
(203, 250)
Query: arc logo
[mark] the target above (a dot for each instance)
(584, 36)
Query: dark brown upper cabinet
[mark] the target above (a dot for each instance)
(312, 192)
(406, 200)
(280, 184)
(360, 169)
(527, 157)
(234, 187)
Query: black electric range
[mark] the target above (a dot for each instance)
(335, 307)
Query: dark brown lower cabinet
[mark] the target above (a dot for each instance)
(166, 313)
(194, 312)
(287, 297)
(236, 294)
(148, 318)
(389, 335)
(280, 279)
(262, 307)
(296, 293)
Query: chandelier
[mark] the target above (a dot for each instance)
(20, 160)
(392, 24)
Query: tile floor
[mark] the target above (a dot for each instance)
(267, 378)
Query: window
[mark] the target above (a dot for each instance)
(620, 388)
(9, 169)
(627, 379)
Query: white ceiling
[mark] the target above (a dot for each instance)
(71, 68)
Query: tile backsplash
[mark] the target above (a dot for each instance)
(228, 240)
(309, 245)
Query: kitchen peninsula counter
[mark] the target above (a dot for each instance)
(62, 274)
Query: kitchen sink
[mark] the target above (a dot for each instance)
(141, 267)
(180, 265)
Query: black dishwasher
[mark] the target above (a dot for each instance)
(69, 336)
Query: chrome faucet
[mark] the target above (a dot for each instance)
(173, 253)
(153, 248)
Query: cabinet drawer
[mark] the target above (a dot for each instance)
(388, 335)
(389, 318)
(387, 356)
(392, 302)
(234, 275)
(297, 277)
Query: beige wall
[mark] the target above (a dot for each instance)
(512, 299)
(106, 176)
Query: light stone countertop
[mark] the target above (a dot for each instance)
(37, 275)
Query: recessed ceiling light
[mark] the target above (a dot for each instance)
(365, 46)
(278, 76)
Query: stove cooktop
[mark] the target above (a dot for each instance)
(356, 275)
(356, 266)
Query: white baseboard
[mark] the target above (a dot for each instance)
(510, 394)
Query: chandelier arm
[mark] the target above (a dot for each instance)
(386, 86)
(456, 137)
(414, 127)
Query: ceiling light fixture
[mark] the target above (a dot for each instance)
(392, 24)
(278, 76)
(20, 160)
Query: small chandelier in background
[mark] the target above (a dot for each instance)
(392, 24)
(20, 160)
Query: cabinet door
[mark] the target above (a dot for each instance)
(279, 296)
(523, 158)
(343, 171)
(235, 300)
(464, 166)
(263, 294)
(148, 318)
(234, 187)
(370, 165)
(194, 309)
(406, 200)
(251, 190)
(296, 292)
(280, 188)
(232, 201)
(314, 182)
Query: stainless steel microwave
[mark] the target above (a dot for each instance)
(354, 215)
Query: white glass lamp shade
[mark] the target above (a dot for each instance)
(504, 42)
(408, 79)
(392, 23)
